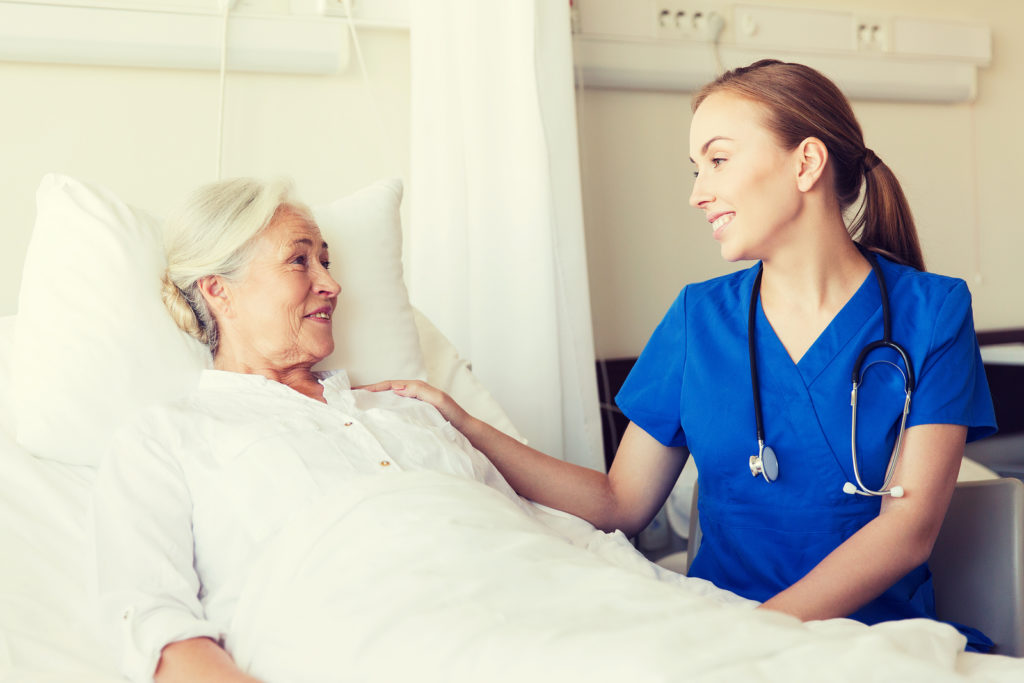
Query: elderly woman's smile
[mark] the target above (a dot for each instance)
(322, 314)
(276, 316)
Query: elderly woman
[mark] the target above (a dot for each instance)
(192, 492)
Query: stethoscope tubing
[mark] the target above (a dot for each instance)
(861, 488)
(757, 463)
(752, 352)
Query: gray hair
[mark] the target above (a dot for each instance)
(213, 234)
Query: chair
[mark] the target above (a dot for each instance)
(694, 536)
(977, 563)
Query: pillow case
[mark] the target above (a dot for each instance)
(375, 333)
(451, 373)
(93, 341)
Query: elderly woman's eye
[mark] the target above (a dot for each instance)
(299, 260)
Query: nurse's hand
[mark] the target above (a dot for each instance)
(445, 404)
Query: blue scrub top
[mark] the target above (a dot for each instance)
(691, 387)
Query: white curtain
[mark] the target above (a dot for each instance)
(497, 258)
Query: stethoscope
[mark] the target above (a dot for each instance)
(766, 463)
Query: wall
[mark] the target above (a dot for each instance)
(150, 135)
(959, 165)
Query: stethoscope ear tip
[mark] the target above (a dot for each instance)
(851, 488)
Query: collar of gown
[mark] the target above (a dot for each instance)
(214, 380)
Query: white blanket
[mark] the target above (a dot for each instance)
(48, 631)
(426, 577)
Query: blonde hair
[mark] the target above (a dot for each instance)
(213, 234)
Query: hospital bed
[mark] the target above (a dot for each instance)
(977, 562)
(47, 630)
(545, 598)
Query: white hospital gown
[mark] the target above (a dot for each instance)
(192, 491)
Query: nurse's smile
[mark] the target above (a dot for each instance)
(740, 167)
(719, 221)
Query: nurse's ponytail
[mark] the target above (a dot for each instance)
(884, 222)
(799, 103)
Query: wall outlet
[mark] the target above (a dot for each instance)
(871, 34)
(681, 20)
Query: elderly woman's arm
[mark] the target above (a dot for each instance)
(196, 660)
(146, 583)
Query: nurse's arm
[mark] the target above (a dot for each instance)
(892, 544)
(627, 498)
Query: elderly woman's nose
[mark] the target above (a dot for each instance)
(326, 284)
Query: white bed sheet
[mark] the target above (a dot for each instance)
(47, 632)
(506, 601)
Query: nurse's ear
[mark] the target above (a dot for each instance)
(811, 157)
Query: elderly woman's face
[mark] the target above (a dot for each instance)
(281, 307)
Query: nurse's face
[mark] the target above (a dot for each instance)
(745, 181)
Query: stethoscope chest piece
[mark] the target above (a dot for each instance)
(765, 463)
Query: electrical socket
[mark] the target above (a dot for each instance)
(686, 21)
(871, 33)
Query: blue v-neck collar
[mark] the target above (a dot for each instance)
(844, 329)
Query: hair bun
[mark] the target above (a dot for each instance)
(181, 311)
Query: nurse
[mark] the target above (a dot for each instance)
(779, 159)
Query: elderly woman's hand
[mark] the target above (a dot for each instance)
(445, 404)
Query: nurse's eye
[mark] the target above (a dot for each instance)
(715, 163)
(326, 264)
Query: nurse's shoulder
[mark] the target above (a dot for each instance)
(924, 295)
(719, 296)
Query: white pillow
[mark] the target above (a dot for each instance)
(6, 358)
(375, 333)
(94, 343)
(451, 373)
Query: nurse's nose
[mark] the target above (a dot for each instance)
(700, 195)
